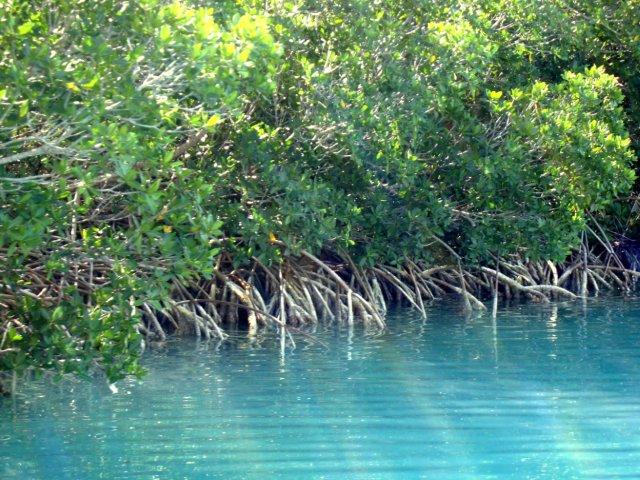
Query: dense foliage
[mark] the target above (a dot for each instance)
(138, 140)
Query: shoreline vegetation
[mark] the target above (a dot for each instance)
(193, 168)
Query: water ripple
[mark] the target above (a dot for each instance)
(547, 392)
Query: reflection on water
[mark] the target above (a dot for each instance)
(545, 392)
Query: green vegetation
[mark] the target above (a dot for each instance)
(194, 166)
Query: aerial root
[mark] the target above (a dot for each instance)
(307, 290)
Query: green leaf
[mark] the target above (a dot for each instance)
(91, 83)
(57, 314)
(165, 33)
(26, 28)
(14, 336)
(24, 108)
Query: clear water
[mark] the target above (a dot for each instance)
(549, 392)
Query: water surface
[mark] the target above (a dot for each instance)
(547, 392)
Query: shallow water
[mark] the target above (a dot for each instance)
(548, 392)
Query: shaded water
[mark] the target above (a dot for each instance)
(549, 392)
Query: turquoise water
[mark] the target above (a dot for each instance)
(548, 392)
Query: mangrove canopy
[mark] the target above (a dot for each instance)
(195, 166)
